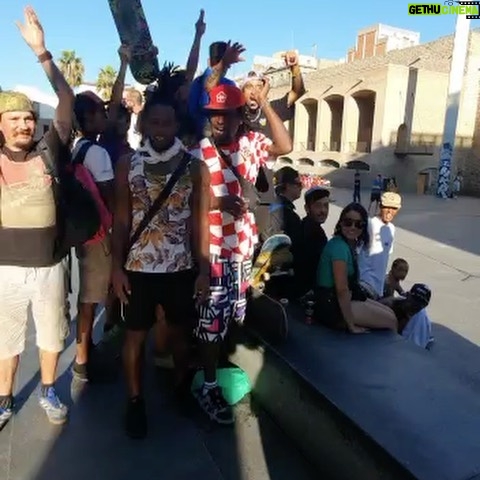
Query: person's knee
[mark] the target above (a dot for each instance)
(134, 341)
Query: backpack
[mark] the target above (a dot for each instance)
(78, 219)
(84, 176)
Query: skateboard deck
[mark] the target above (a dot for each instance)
(274, 260)
(133, 30)
(266, 313)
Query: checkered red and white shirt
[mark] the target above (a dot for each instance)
(230, 238)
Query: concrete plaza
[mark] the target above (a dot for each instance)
(441, 241)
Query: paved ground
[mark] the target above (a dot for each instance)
(441, 241)
(93, 446)
(439, 238)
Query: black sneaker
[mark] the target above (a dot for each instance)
(136, 419)
(80, 372)
(213, 403)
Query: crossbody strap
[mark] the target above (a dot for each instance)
(245, 185)
(162, 197)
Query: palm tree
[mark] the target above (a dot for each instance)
(72, 68)
(106, 79)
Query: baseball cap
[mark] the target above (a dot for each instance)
(11, 101)
(225, 97)
(421, 293)
(391, 200)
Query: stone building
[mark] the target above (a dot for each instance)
(388, 110)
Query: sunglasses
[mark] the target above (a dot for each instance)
(349, 222)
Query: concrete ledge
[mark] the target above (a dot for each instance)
(366, 407)
(328, 439)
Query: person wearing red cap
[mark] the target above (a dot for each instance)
(233, 159)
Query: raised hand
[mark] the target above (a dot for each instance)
(32, 31)
(201, 26)
(291, 58)
(260, 95)
(125, 53)
(233, 54)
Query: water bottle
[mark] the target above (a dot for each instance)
(309, 312)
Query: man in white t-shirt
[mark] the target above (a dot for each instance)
(373, 259)
(95, 259)
(134, 101)
(373, 265)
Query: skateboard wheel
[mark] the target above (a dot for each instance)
(266, 276)
(261, 287)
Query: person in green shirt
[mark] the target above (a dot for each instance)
(340, 302)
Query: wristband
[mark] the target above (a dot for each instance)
(45, 57)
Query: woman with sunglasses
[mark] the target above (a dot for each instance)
(340, 302)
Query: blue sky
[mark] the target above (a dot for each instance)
(264, 26)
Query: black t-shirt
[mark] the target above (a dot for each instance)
(313, 242)
(356, 184)
(257, 122)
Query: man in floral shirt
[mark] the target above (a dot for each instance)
(233, 159)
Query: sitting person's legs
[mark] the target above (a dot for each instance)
(371, 314)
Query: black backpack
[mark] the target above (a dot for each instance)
(77, 216)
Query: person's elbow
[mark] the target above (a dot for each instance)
(282, 147)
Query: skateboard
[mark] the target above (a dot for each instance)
(274, 260)
(266, 309)
(133, 30)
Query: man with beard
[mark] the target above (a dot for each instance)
(32, 277)
(233, 159)
(255, 120)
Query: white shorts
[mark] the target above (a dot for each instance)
(37, 293)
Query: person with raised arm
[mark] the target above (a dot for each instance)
(32, 277)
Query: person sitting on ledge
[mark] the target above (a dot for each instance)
(398, 273)
(339, 301)
(314, 238)
(410, 310)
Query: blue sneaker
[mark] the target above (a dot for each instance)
(56, 411)
(5, 415)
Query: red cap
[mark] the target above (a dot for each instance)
(225, 97)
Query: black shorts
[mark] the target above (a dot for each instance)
(375, 197)
(173, 291)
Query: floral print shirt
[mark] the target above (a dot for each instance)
(164, 246)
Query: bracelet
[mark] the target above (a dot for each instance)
(45, 57)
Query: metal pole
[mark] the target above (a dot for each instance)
(457, 67)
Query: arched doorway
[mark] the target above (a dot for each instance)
(335, 113)
(358, 165)
(329, 163)
(308, 162)
(365, 100)
(311, 107)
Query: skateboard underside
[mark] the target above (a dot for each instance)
(133, 30)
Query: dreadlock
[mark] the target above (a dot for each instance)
(164, 89)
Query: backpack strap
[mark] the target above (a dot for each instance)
(162, 197)
(79, 157)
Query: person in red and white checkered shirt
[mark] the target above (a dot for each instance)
(230, 153)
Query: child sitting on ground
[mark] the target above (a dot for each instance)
(398, 273)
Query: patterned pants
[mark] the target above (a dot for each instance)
(229, 283)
